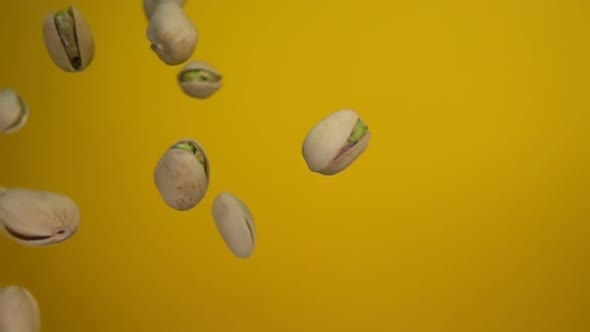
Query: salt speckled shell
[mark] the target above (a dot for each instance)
(19, 310)
(180, 178)
(235, 224)
(38, 213)
(55, 48)
(325, 140)
(150, 5)
(9, 111)
(172, 34)
(199, 89)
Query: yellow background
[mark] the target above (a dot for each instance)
(468, 211)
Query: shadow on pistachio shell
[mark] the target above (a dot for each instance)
(19, 310)
(14, 112)
(172, 34)
(335, 142)
(149, 6)
(235, 224)
(68, 40)
(37, 218)
(199, 79)
(182, 175)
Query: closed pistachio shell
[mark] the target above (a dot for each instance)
(14, 112)
(199, 79)
(150, 5)
(19, 310)
(77, 53)
(182, 175)
(335, 142)
(172, 34)
(38, 218)
(235, 224)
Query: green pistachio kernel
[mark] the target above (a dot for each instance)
(359, 130)
(66, 28)
(198, 75)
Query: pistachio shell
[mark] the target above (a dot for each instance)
(19, 311)
(180, 178)
(55, 48)
(199, 89)
(325, 140)
(10, 110)
(172, 34)
(150, 5)
(38, 218)
(235, 224)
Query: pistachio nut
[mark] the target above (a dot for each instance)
(182, 175)
(69, 40)
(199, 79)
(172, 34)
(150, 5)
(235, 224)
(14, 112)
(38, 218)
(19, 310)
(335, 142)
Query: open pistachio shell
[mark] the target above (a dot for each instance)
(327, 148)
(172, 34)
(38, 218)
(181, 176)
(199, 79)
(80, 44)
(14, 112)
(235, 224)
(19, 310)
(150, 5)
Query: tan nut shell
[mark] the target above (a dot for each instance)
(10, 110)
(325, 140)
(180, 178)
(150, 5)
(235, 224)
(19, 310)
(172, 33)
(55, 48)
(199, 89)
(38, 213)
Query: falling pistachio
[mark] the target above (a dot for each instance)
(69, 40)
(182, 175)
(150, 5)
(14, 112)
(172, 34)
(335, 142)
(199, 80)
(235, 224)
(38, 218)
(19, 310)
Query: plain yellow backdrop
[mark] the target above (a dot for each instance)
(469, 210)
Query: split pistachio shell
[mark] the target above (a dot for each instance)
(19, 310)
(38, 218)
(172, 34)
(150, 5)
(235, 224)
(335, 142)
(182, 175)
(14, 112)
(199, 79)
(69, 40)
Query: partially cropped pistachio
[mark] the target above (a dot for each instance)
(150, 5)
(19, 310)
(335, 142)
(182, 175)
(199, 79)
(14, 112)
(172, 34)
(235, 224)
(38, 218)
(69, 40)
